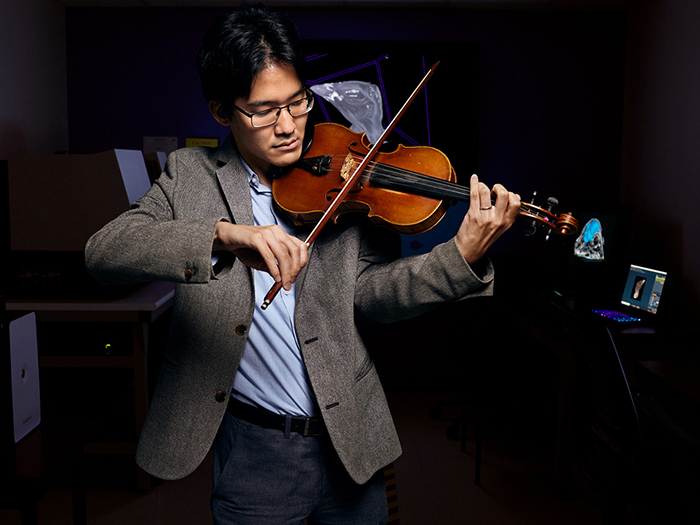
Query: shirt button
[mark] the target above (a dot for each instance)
(188, 274)
(220, 396)
(241, 329)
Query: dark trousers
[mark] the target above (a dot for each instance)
(269, 477)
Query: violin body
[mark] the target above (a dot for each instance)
(305, 191)
(408, 190)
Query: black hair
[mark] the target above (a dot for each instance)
(240, 44)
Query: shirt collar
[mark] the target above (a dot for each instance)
(253, 178)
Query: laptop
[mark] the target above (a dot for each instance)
(640, 297)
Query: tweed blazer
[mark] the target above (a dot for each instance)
(167, 235)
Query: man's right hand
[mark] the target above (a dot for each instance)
(266, 248)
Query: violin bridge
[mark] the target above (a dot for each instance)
(348, 166)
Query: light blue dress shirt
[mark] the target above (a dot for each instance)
(272, 373)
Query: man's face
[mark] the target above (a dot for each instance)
(279, 144)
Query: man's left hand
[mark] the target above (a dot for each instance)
(491, 213)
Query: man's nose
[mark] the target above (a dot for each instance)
(285, 123)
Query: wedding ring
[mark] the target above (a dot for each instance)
(487, 208)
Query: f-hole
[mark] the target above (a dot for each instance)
(330, 194)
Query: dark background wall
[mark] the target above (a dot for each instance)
(550, 113)
(549, 102)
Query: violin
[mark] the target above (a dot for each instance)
(320, 188)
(408, 190)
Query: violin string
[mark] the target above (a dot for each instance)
(405, 180)
(389, 170)
(433, 186)
(396, 178)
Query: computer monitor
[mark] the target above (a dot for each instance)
(643, 288)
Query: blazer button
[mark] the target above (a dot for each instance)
(188, 274)
(220, 396)
(241, 329)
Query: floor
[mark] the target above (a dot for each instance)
(434, 479)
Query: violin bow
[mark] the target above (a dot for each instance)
(328, 214)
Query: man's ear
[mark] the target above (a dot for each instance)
(217, 112)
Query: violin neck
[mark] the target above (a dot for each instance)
(419, 184)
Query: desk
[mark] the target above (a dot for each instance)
(548, 322)
(138, 309)
(682, 376)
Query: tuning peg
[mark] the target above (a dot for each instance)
(532, 229)
(552, 202)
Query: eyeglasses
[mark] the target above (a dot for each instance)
(270, 116)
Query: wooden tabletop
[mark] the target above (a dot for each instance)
(143, 304)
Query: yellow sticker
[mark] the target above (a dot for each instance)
(212, 143)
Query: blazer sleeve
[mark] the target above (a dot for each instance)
(391, 289)
(149, 243)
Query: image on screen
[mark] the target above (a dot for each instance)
(643, 288)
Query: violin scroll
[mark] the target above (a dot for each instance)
(562, 224)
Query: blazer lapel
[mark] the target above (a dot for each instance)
(234, 183)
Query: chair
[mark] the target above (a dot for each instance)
(478, 435)
(392, 498)
(481, 316)
(471, 409)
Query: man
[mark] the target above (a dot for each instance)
(288, 397)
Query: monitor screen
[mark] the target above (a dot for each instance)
(643, 288)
